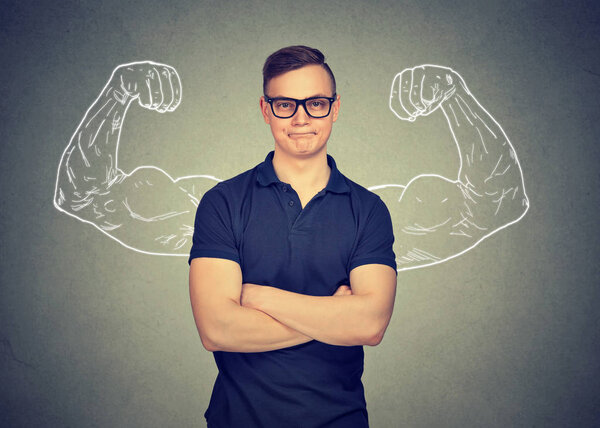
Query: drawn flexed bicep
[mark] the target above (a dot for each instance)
(145, 210)
(437, 218)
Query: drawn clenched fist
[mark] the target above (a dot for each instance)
(155, 86)
(420, 90)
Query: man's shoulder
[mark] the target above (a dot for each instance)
(236, 185)
(360, 193)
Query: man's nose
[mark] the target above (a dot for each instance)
(301, 117)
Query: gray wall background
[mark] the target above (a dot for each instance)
(95, 335)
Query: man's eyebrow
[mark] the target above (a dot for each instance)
(312, 96)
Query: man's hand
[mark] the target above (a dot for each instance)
(343, 290)
(156, 86)
(419, 91)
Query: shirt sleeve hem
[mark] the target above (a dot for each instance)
(214, 254)
(374, 260)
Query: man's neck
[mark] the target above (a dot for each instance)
(303, 174)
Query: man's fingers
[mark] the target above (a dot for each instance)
(343, 290)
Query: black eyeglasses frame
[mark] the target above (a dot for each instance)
(300, 103)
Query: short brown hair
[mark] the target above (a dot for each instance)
(291, 58)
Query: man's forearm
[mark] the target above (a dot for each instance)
(250, 330)
(337, 320)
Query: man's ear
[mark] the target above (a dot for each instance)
(336, 108)
(264, 109)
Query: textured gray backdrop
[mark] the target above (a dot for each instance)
(95, 335)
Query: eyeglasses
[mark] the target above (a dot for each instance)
(317, 107)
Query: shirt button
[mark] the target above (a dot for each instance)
(291, 203)
(284, 188)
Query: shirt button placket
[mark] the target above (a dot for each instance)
(285, 189)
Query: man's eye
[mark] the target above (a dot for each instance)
(284, 105)
(317, 104)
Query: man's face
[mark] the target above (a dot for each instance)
(300, 135)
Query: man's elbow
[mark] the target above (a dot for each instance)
(213, 335)
(208, 345)
(375, 339)
(217, 332)
(375, 334)
(208, 335)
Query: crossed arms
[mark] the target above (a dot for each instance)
(235, 317)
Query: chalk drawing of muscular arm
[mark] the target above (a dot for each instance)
(437, 218)
(145, 210)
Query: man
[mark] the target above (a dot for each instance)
(273, 250)
(435, 218)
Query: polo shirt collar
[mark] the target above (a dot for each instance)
(266, 175)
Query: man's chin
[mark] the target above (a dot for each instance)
(303, 148)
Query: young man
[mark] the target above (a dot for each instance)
(274, 250)
(281, 341)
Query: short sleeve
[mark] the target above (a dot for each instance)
(375, 239)
(213, 230)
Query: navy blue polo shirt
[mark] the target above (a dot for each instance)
(257, 221)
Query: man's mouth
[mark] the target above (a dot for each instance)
(301, 134)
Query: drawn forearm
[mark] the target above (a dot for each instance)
(89, 163)
(489, 165)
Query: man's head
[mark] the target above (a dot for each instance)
(293, 58)
(299, 72)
